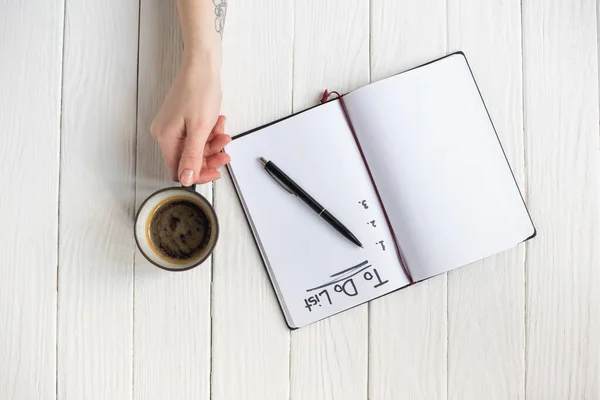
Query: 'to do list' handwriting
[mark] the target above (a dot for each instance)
(343, 285)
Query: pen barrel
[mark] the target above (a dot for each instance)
(338, 226)
(293, 186)
(309, 201)
(288, 184)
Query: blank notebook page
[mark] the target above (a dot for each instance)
(316, 272)
(439, 167)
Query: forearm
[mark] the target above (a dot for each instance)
(202, 23)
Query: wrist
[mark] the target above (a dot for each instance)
(205, 59)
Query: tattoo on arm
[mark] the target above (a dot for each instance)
(220, 14)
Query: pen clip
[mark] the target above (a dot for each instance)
(280, 183)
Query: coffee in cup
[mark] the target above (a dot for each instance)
(176, 229)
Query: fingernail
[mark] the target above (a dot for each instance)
(187, 177)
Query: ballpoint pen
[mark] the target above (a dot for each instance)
(292, 187)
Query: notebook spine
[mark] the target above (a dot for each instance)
(325, 98)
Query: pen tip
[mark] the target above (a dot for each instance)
(362, 247)
(263, 160)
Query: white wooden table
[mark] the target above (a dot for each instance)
(84, 316)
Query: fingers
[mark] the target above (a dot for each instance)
(216, 144)
(192, 156)
(217, 160)
(209, 168)
(218, 129)
(170, 135)
(208, 175)
(201, 157)
(171, 149)
(217, 138)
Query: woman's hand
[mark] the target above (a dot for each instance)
(188, 128)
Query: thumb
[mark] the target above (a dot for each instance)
(192, 157)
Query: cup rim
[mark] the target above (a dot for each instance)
(201, 198)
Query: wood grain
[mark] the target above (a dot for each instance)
(329, 359)
(97, 200)
(30, 77)
(486, 300)
(172, 325)
(407, 329)
(250, 352)
(524, 324)
(561, 139)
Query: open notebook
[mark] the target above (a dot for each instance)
(424, 185)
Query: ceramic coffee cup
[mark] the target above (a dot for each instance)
(166, 254)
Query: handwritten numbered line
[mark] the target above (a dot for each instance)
(345, 277)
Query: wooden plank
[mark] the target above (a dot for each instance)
(171, 310)
(30, 76)
(486, 300)
(329, 359)
(561, 138)
(407, 329)
(250, 341)
(97, 200)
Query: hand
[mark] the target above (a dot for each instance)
(188, 127)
